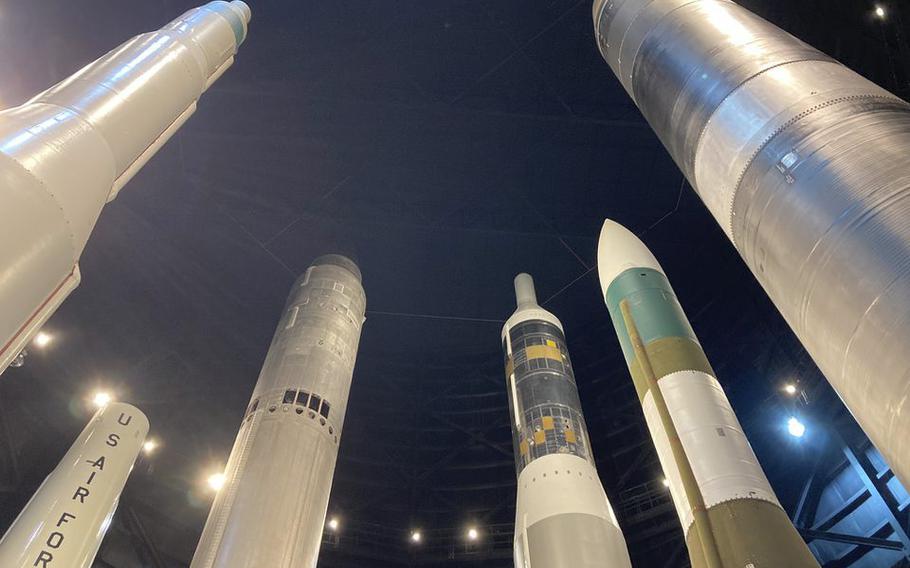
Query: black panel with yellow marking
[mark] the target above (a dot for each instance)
(544, 404)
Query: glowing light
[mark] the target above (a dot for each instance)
(216, 481)
(790, 389)
(334, 524)
(102, 399)
(473, 534)
(880, 12)
(416, 537)
(795, 427)
(149, 446)
(666, 482)
(42, 339)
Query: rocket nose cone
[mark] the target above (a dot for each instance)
(618, 250)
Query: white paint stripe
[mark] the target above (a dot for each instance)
(724, 465)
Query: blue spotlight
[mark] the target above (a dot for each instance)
(796, 428)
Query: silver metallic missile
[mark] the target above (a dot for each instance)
(728, 511)
(271, 510)
(69, 150)
(806, 167)
(63, 524)
(563, 518)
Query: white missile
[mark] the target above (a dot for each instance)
(728, 511)
(271, 509)
(69, 150)
(63, 524)
(563, 518)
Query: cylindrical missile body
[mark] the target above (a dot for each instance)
(563, 518)
(806, 167)
(69, 150)
(64, 522)
(711, 469)
(271, 510)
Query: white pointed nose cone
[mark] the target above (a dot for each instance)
(618, 250)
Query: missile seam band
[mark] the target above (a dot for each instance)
(730, 214)
(234, 19)
(278, 399)
(8, 161)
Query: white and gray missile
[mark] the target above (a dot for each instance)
(69, 150)
(63, 524)
(728, 511)
(563, 518)
(805, 165)
(271, 509)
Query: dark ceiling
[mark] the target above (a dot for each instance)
(446, 145)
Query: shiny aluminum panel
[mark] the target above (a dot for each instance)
(805, 165)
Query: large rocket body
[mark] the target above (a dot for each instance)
(806, 167)
(726, 506)
(69, 150)
(271, 510)
(63, 524)
(563, 518)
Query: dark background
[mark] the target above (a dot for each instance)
(446, 145)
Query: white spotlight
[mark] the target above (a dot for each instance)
(880, 12)
(666, 482)
(334, 524)
(416, 537)
(795, 427)
(790, 389)
(101, 399)
(473, 534)
(216, 481)
(149, 446)
(42, 339)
